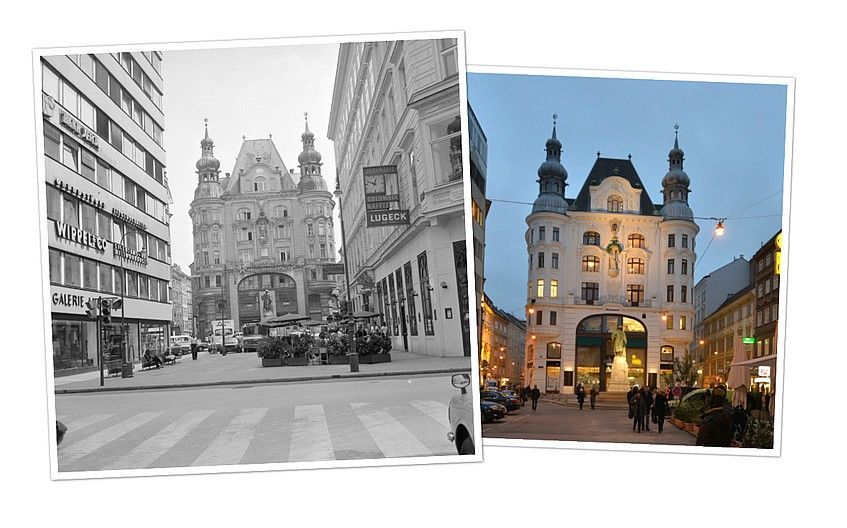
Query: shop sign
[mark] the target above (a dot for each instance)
(81, 131)
(76, 193)
(761, 380)
(130, 255)
(68, 300)
(126, 218)
(83, 238)
(764, 371)
(382, 196)
(777, 259)
(748, 340)
(332, 269)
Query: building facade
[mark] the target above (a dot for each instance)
(723, 329)
(262, 235)
(766, 268)
(183, 315)
(501, 346)
(107, 204)
(608, 260)
(396, 104)
(712, 291)
(479, 207)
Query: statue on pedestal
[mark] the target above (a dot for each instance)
(619, 341)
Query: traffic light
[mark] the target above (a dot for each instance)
(117, 304)
(106, 311)
(91, 308)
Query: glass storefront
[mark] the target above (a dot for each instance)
(554, 368)
(595, 352)
(74, 344)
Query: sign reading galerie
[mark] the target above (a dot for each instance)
(382, 196)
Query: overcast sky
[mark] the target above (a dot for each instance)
(242, 91)
(733, 136)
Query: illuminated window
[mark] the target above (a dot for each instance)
(614, 204)
(554, 288)
(540, 288)
(635, 266)
(591, 238)
(590, 263)
(636, 240)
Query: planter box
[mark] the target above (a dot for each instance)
(338, 360)
(295, 362)
(272, 362)
(689, 427)
(370, 359)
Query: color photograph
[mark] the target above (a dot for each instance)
(634, 234)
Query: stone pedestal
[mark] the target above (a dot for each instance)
(620, 375)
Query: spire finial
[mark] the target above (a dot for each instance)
(555, 117)
(676, 136)
(206, 124)
(306, 116)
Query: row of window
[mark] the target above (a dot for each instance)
(767, 315)
(398, 302)
(672, 266)
(683, 293)
(140, 77)
(768, 285)
(65, 150)
(55, 85)
(71, 211)
(97, 120)
(67, 269)
(155, 60)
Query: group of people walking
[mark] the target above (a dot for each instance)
(592, 395)
(533, 394)
(646, 405)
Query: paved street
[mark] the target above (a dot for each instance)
(553, 421)
(247, 367)
(258, 423)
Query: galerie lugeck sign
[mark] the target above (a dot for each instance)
(382, 197)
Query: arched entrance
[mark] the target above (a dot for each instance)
(594, 351)
(252, 302)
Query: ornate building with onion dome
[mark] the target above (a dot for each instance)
(262, 235)
(608, 260)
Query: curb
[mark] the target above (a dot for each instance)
(261, 381)
(587, 405)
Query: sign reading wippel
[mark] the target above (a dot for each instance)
(382, 197)
(83, 238)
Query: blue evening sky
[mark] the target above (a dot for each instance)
(733, 136)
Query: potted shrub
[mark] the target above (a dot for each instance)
(337, 349)
(759, 434)
(298, 351)
(271, 351)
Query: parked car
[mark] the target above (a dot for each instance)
(460, 416)
(512, 395)
(180, 344)
(499, 397)
(491, 411)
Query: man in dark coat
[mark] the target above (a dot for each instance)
(647, 395)
(534, 395)
(592, 396)
(660, 408)
(716, 422)
(580, 395)
(637, 409)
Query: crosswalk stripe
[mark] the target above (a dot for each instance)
(69, 454)
(310, 440)
(233, 441)
(435, 410)
(82, 423)
(392, 438)
(155, 446)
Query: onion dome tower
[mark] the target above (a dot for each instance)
(552, 178)
(207, 166)
(675, 184)
(310, 162)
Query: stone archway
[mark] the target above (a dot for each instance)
(594, 354)
(254, 304)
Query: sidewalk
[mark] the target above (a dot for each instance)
(237, 369)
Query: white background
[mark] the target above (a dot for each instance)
(537, 487)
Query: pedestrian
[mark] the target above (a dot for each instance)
(660, 409)
(647, 396)
(636, 411)
(716, 422)
(580, 395)
(193, 348)
(534, 395)
(592, 396)
(523, 395)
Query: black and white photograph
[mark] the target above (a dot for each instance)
(256, 255)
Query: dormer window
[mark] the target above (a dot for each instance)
(260, 185)
(614, 204)
(244, 214)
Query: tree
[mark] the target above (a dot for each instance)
(684, 371)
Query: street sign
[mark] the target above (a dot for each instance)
(748, 340)
(764, 371)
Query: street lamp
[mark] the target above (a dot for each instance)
(354, 356)
(122, 254)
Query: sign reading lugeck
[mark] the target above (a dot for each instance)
(382, 196)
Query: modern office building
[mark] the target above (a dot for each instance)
(479, 206)
(107, 204)
(183, 315)
(262, 235)
(396, 112)
(606, 262)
